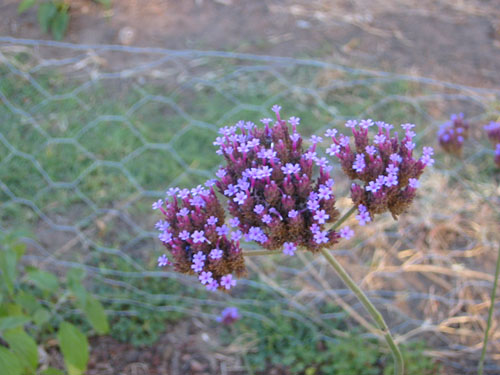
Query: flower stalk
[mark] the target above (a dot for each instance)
(480, 367)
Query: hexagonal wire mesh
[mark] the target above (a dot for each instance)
(90, 135)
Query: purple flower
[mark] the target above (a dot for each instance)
(162, 225)
(331, 133)
(183, 194)
(240, 198)
(289, 248)
(267, 219)
(321, 162)
(216, 253)
(227, 281)
(395, 158)
(197, 266)
(184, 212)
(264, 172)
(370, 150)
(413, 183)
(221, 173)
(199, 236)
(392, 169)
(324, 192)
(321, 216)
(407, 126)
(379, 138)
(410, 145)
(223, 230)
(373, 187)
(293, 214)
(290, 168)
(229, 315)
(351, 124)
(365, 124)
(391, 180)
(316, 139)
(236, 235)
(276, 109)
(199, 257)
(206, 277)
(258, 209)
(364, 215)
(312, 204)
(359, 165)
(294, 121)
(266, 121)
(333, 150)
(321, 237)
(295, 137)
(212, 287)
(234, 222)
(163, 261)
(344, 141)
(230, 191)
(172, 192)
(346, 233)
(156, 205)
(165, 237)
(212, 220)
(184, 235)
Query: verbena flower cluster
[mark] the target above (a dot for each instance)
(452, 134)
(272, 194)
(199, 241)
(493, 132)
(385, 166)
(279, 194)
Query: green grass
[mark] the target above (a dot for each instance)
(118, 144)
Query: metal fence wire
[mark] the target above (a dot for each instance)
(90, 135)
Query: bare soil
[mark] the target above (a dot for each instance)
(453, 40)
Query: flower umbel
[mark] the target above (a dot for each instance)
(269, 180)
(197, 244)
(386, 167)
(452, 134)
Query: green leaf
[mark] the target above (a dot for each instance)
(27, 301)
(52, 371)
(60, 24)
(46, 13)
(96, 315)
(74, 347)
(25, 5)
(41, 316)
(10, 322)
(21, 344)
(75, 275)
(44, 280)
(8, 266)
(9, 363)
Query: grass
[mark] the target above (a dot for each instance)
(120, 144)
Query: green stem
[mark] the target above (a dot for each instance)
(340, 221)
(490, 316)
(260, 252)
(372, 310)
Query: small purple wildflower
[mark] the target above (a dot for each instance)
(413, 183)
(156, 205)
(206, 277)
(346, 233)
(223, 230)
(321, 237)
(258, 209)
(234, 222)
(165, 237)
(184, 235)
(359, 165)
(198, 236)
(293, 214)
(212, 220)
(321, 216)
(289, 248)
(216, 254)
(163, 261)
(240, 198)
(267, 219)
(227, 281)
(290, 168)
(229, 315)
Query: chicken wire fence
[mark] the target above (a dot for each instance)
(91, 135)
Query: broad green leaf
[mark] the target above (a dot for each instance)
(46, 13)
(44, 280)
(75, 275)
(8, 264)
(28, 302)
(21, 344)
(74, 347)
(52, 371)
(96, 315)
(60, 24)
(41, 316)
(19, 248)
(25, 5)
(9, 363)
(10, 322)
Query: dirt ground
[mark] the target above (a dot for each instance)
(454, 40)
